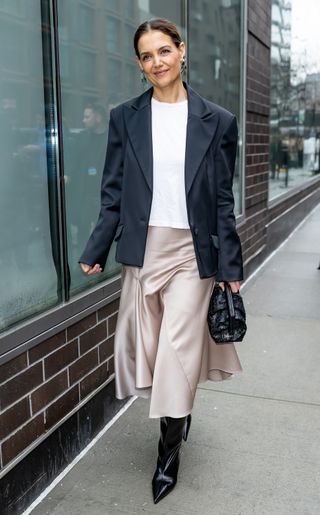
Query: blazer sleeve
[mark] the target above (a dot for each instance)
(99, 243)
(230, 266)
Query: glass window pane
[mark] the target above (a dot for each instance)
(113, 5)
(85, 26)
(28, 275)
(113, 34)
(295, 95)
(93, 81)
(87, 68)
(215, 62)
(129, 8)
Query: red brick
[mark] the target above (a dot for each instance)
(61, 358)
(108, 310)
(49, 390)
(14, 417)
(112, 322)
(19, 385)
(83, 365)
(93, 337)
(111, 365)
(106, 349)
(81, 326)
(13, 366)
(93, 380)
(44, 348)
(62, 406)
(22, 438)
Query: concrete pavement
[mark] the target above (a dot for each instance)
(253, 448)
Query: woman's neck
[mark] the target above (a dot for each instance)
(172, 93)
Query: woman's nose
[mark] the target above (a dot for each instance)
(157, 60)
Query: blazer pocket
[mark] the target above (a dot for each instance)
(118, 232)
(215, 241)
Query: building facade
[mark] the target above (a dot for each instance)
(64, 65)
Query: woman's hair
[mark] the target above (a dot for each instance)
(165, 26)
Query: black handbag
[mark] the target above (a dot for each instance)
(226, 315)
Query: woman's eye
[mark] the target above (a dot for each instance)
(165, 51)
(145, 57)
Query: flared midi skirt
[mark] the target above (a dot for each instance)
(163, 348)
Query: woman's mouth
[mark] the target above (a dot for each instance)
(160, 73)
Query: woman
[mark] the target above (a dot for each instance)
(167, 200)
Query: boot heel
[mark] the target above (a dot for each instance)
(186, 428)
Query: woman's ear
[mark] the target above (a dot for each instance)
(182, 49)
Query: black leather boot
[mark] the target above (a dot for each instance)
(163, 432)
(172, 431)
(187, 427)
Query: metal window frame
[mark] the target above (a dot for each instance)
(56, 87)
(26, 335)
(240, 218)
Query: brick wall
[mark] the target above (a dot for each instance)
(39, 387)
(253, 231)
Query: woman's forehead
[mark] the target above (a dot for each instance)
(153, 40)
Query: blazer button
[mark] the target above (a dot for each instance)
(195, 230)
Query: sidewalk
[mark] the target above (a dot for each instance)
(253, 447)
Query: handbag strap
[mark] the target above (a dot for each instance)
(229, 298)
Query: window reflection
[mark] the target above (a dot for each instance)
(29, 257)
(113, 34)
(295, 95)
(215, 61)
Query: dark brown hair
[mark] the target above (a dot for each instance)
(165, 26)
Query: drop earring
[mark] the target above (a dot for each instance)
(183, 63)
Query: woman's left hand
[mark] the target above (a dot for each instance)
(234, 285)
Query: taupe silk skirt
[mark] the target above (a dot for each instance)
(163, 348)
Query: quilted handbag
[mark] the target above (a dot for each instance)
(226, 315)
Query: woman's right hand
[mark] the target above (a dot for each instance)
(90, 270)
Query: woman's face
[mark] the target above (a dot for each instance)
(160, 59)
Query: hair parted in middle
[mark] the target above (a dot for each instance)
(161, 24)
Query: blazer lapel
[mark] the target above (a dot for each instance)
(201, 128)
(138, 121)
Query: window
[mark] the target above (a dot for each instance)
(13, 48)
(295, 95)
(128, 39)
(129, 9)
(87, 68)
(29, 251)
(85, 27)
(113, 5)
(113, 34)
(215, 64)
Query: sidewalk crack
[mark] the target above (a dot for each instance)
(276, 399)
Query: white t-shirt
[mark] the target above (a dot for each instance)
(169, 129)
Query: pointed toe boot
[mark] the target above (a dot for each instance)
(172, 431)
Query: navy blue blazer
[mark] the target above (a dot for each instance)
(126, 189)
